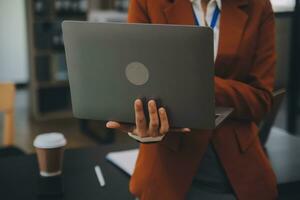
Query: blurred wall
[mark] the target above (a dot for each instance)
(13, 41)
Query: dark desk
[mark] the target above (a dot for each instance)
(19, 175)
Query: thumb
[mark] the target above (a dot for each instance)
(182, 130)
(122, 127)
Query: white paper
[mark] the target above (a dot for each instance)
(283, 5)
(125, 160)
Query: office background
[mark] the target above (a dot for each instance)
(32, 57)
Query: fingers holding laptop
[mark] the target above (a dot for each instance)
(119, 126)
(141, 128)
(153, 130)
(140, 120)
(158, 122)
(164, 122)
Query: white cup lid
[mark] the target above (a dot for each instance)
(50, 140)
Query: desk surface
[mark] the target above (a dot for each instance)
(19, 176)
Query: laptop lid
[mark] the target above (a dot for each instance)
(112, 64)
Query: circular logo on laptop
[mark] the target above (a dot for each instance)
(137, 73)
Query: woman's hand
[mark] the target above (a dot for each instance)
(158, 123)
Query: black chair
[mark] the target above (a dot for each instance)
(267, 123)
(294, 74)
(277, 153)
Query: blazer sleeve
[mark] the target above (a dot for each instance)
(137, 12)
(252, 97)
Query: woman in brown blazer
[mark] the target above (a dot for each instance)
(226, 163)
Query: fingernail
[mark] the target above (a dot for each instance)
(187, 130)
(139, 104)
(108, 124)
(152, 103)
(138, 101)
(112, 124)
(161, 110)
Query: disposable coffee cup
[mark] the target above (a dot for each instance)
(50, 150)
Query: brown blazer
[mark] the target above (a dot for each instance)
(244, 76)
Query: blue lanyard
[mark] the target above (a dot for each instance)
(214, 19)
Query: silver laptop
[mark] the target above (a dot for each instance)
(110, 65)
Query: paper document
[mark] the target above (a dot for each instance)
(283, 5)
(125, 160)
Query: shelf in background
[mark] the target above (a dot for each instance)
(61, 114)
(107, 16)
(50, 92)
(52, 84)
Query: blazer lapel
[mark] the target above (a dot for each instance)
(180, 12)
(233, 21)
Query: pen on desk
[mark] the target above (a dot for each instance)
(99, 175)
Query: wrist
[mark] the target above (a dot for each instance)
(146, 139)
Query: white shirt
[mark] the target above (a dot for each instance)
(199, 13)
